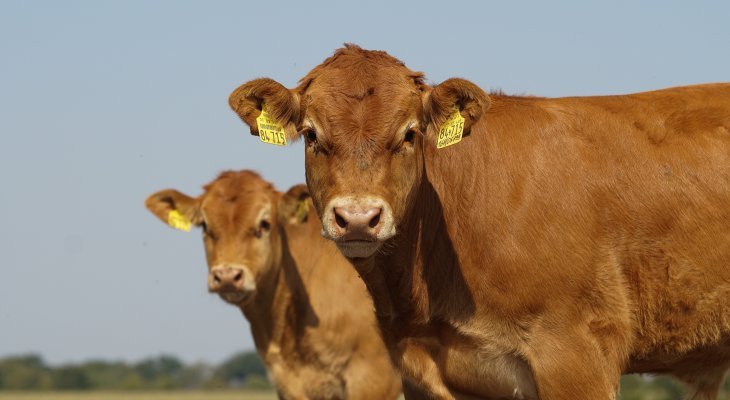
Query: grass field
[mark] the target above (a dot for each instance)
(172, 395)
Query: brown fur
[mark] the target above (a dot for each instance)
(562, 243)
(310, 315)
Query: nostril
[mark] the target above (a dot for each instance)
(238, 276)
(216, 278)
(340, 221)
(375, 220)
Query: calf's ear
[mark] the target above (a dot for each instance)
(176, 209)
(294, 207)
(440, 102)
(281, 104)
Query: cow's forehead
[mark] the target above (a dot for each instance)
(237, 196)
(381, 101)
(360, 90)
(361, 82)
(236, 213)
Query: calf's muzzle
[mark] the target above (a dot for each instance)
(226, 280)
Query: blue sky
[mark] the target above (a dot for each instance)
(103, 103)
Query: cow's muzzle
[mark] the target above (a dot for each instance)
(358, 225)
(234, 284)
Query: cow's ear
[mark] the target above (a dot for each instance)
(281, 104)
(176, 209)
(294, 205)
(440, 102)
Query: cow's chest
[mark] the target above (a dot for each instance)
(296, 378)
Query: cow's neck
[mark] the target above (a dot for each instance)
(273, 313)
(419, 277)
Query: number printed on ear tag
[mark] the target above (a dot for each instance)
(452, 130)
(269, 130)
(178, 221)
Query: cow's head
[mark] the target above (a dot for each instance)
(364, 117)
(241, 217)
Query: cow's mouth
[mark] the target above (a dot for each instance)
(236, 296)
(358, 248)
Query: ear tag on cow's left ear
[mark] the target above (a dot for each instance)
(452, 130)
(302, 210)
(270, 131)
(178, 221)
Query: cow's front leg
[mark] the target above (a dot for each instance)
(420, 372)
(573, 364)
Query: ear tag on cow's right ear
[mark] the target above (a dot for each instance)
(270, 131)
(452, 130)
(178, 221)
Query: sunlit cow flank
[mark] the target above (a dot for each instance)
(310, 314)
(559, 244)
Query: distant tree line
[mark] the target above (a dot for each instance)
(243, 370)
(30, 372)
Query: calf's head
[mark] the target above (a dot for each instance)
(364, 118)
(241, 218)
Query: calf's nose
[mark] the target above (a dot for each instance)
(354, 223)
(226, 279)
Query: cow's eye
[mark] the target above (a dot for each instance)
(310, 136)
(410, 136)
(312, 141)
(264, 226)
(207, 232)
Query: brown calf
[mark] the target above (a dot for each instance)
(560, 244)
(310, 314)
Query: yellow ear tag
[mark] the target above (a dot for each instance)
(178, 221)
(452, 130)
(269, 130)
(302, 210)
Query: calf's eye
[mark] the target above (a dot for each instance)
(264, 226)
(207, 232)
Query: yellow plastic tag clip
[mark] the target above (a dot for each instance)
(302, 210)
(452, 130)
(269, 130)
(178, 221)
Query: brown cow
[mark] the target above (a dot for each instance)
(310, 315)
(561, 243)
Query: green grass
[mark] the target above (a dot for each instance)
(171, 395)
